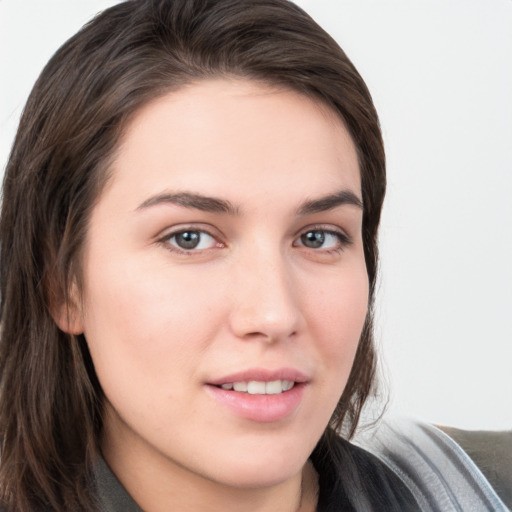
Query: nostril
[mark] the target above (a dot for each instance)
(269, 337)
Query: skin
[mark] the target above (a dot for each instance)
(161, 322)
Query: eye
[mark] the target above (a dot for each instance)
(323, 239)
(191, 239)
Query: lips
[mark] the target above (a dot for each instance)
(261, 375)
(260, 395)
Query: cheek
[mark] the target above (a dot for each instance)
(340, 307)
(142, 319)
(146, 341)
(337, 314)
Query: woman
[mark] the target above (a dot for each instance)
(188, 268)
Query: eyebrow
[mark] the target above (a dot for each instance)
(217, 205)
(330, 202)
(191, 200)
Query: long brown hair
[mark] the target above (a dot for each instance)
(50, 398)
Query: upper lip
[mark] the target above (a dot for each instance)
(261, 375)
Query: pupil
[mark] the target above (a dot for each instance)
(313, 239)
(188, 239)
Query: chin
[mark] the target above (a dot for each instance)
(264, 467)
(259, 477)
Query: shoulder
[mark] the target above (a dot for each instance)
(434, 467)
(491, 451)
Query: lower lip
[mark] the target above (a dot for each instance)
(260, 408)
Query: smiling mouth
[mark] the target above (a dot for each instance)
(254, 387)
(259, 395)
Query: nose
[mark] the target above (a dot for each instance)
(265, 303)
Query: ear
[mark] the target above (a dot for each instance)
(67, 312)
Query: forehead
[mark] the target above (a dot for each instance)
(214, 133)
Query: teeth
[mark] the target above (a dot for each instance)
(287, 385)
(240, 386)
(254, 387)
(273, 388)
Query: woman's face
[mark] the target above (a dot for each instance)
(224, 265)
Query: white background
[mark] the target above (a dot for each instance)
(441, 76)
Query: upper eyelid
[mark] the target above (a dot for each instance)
(328, 228)
(174, 230)
(343, 238)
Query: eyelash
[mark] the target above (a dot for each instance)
(343, 240)
(166, 240)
